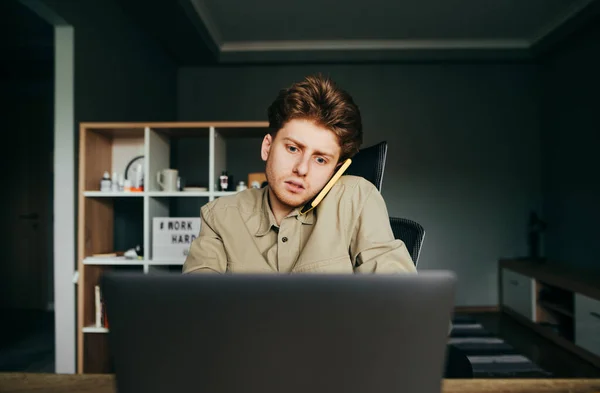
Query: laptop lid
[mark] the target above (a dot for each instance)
(279, 333)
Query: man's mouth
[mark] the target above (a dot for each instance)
(294, 186)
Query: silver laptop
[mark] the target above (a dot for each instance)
(279, 333)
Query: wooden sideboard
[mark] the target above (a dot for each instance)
(105, 383)
(560, 303)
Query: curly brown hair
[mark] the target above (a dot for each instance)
(318, 99)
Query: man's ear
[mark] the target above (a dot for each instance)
(339, 164)
(266, 147)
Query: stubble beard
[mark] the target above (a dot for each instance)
(276, 186)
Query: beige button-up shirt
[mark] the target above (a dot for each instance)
(348, 232)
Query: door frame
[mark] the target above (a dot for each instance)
(65, 274)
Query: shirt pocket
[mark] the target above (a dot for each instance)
(337, 265)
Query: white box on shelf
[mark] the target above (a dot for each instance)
(173, 236)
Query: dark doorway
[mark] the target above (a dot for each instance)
(26, 264)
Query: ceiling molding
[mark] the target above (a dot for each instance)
(379, 56)
(208, 20)
(584, 15)
(45, 12)
(372, 50)
(368, 45)
(570, 13)
(384, 50)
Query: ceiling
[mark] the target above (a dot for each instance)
(272, 31)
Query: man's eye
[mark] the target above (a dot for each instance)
(321, 160)
(292, 149)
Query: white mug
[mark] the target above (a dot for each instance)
(167, 179)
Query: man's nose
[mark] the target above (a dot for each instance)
(301, 167)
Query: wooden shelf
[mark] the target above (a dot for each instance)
(109, 221)
(157, 194)
(181, 194)
(556, 314)
(571, 279)
(105, 194)
(164, 262)
(117, 261)
(556, 307)
(94, 329)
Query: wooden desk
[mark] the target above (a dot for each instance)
(559, 302)
(90, 383)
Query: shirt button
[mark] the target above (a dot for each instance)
(284, 239)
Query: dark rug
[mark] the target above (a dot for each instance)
(490, 356)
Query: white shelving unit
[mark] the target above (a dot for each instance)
(94, 329)
(109, 147)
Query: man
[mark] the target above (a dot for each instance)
(315, 126)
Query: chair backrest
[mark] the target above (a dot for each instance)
(411, 233)
(369, 163)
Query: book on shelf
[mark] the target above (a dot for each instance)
(100, 308)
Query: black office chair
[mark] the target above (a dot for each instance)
(369, 163)
(411, 233)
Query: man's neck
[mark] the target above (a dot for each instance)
(280, 211)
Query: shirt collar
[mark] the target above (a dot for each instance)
(267, 218)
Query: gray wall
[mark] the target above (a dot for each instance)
(120, 73)
(464, 149)
(570, 142)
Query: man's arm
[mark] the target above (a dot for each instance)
(373, 247)
(207, 254)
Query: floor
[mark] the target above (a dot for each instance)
(27, 344)
(549, 356)
(27, 341)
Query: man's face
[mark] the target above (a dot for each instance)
(300, 160)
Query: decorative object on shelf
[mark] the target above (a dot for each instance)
(535, 228)
(223, 181)
(134, 253)
(134, 173)
(137, 183)
(167, 179)
(172, 237)
(255, 180)
(105, 183)
(241, 186)
(108, 254)
(133, 166)
(115, 182)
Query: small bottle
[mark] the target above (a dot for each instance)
(121, 183)
(115, 182)
(105, 183)
(241, 186)
(224, 181)
(127, 185)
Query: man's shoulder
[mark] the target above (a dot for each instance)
(351, 189)
(354, 183)
(246, 200)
